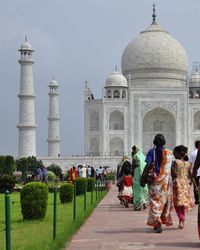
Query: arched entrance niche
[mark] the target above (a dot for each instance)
(197, 121)
(94, 146)
(116, 146)
(116, 120)
(158, 121)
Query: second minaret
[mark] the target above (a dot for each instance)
(54, 121)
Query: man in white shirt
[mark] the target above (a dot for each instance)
(197, 177)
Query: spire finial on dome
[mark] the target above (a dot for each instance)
(116, 67)
(25, 38)
(154, 13)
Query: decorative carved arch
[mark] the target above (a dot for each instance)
(116, 94)
(116, 120)
(197, 120)
(94, 121)
(158, 120)
(94, 146)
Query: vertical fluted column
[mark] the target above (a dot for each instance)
(26, 126)
(54, 121)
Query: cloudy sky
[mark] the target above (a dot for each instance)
(74, 41)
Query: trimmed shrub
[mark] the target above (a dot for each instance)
(91, 184)
(51, 176)
(110, 176)
(66, 193)
(81, 182)
(7, 182)
(33, 199)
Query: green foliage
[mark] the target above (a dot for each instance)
(91, 184)
(110, 176)
(66, 193)
(55, 169)
(34, 164)
(7, 182)
(7, 165)
(22, 165)
(81, 184)
(51, 176)
(33, 199)
(1, 164)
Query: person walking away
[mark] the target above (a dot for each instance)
(73, 174)
(127, 189)
(192, 159)
(120, 173)
(182, 197)
(140, 194)
(84, 171)
(159, 188)
(89, 171)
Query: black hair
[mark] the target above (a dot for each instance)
(197, 144)
(159, 140)
(127, 167)
(181, 150)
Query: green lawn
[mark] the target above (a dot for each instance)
(38, 235)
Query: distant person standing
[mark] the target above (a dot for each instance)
(192, 159)
(84, 171)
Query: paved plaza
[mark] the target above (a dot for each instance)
(112, 226)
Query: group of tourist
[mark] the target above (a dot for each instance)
(161, 181)
(86, 172)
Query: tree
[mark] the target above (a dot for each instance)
(55, 169)
(34, 164)
(22, 165)
(9, 165)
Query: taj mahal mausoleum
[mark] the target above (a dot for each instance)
(152, 93)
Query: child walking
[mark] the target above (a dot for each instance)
(181, 171)
(127, 190)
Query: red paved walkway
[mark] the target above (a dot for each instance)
(113, 227)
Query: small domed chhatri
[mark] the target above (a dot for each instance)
(116, 79)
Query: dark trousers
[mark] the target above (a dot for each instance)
(196, 194)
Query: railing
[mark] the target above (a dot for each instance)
(99, 187)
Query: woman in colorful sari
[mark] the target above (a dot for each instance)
(159, 189)
(140, 194)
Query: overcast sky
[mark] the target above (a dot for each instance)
(75, 40)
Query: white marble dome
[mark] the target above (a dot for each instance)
(116, 79)
(154, 52)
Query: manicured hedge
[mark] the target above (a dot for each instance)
(33, 199)
(7, 182)
(66, 193)
(91, 184)
(81, 184)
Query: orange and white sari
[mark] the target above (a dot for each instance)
(160, 194)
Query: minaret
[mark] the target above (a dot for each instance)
(27, 126)
(54, 124)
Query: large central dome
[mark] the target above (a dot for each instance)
(153, 54)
